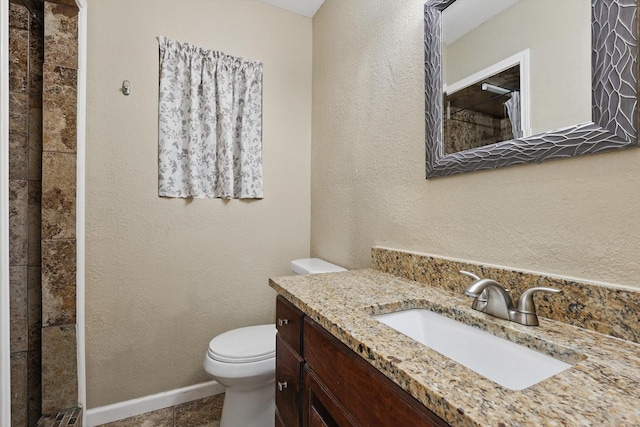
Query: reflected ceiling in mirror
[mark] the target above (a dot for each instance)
(585, 73)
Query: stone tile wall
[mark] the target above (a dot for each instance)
(472, 129)
(59, 112)
(42, 193)
(26, 35)
(608, 310)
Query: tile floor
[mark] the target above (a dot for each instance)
(198, 413)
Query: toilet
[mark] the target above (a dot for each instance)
(244, 361)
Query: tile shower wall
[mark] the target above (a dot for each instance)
(26, 34)
(42, 147)
(472, 129)
(60, 69)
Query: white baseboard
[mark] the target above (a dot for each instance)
(166, 399)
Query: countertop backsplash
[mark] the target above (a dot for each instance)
(607, 310)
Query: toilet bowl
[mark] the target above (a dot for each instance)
(244, 361)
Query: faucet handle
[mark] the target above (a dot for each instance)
(480, 301)
(469, 275)
(525, 302)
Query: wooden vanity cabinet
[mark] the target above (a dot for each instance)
(337, 387)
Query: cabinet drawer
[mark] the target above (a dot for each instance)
(289, 323)
(372, 399)
(288, 378)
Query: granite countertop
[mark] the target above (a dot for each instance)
(602, 388)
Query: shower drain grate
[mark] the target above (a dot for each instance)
(67, 418)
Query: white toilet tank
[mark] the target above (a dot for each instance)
(314, 266)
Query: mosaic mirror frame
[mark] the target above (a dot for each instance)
(614, 64)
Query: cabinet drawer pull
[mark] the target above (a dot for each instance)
(282, 322)
(282, 386)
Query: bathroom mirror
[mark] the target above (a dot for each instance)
(610, 123)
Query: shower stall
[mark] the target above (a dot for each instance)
(41, 251)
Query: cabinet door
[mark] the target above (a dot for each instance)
(315, 420)
(288, 376)
(320, 407)
(371, 398)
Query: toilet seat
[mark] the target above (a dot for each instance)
(244, 345)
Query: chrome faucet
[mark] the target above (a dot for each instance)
(492, 298)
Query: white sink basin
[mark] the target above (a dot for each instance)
(504, 362)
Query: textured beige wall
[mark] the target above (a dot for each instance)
(559, 46)
(577, 217)
(166, 275)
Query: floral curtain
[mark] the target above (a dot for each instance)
(210, 124)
